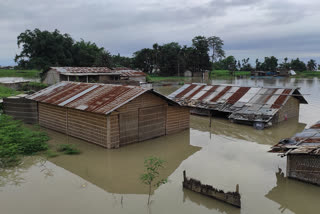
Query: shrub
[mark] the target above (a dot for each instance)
(16, 140)
(69, 149)
(51, 154)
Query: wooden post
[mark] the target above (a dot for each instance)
(184, 175)
(210, 118)
(237, 188)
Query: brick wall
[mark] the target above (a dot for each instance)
(304, 167)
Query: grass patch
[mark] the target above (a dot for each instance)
(307, 74)
(228, 74)
(69, 149)
(17, 140)
(19, 73)
(51, 154)
(7, 92)
(171, 78)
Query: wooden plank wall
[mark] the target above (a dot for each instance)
(88, 126)
(178, 119)
(53, 117)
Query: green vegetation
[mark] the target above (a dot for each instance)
(69, 149)
(7, 92)
(16, 141)
(171, 78)
(226, 73)
(33, 86)
(20, 73)
(51, 154)
(152, 166)
(306, 74)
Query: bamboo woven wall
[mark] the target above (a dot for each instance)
(88, 126)
(21, 109)
(53, 117)
(152, 122)
(140, 119)
(178, 119)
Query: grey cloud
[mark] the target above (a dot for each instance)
(126, 26)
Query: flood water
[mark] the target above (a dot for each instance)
(107, 181)
(17, 79)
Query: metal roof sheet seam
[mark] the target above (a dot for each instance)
(93, 97)
(245, 103)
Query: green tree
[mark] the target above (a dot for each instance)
(199, 54)
(42, 49)
(246, 66)
(122, 61)
(169, 60)
(270, 64)
(103, 59)
(285, 65)
(143, 60)
(258, 65)
(298, 65)
(85, 54)
(215, 43)
(151, 175)
(312, 65)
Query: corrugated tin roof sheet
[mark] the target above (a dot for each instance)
(97, 98)
(82, 69)
(305, 142)
(98, 70)
(244, 103)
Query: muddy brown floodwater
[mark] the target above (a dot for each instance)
(107, 181)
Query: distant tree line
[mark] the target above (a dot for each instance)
(43, 49)
(173, 59)
(269, 64)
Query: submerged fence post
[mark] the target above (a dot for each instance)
(184, 175)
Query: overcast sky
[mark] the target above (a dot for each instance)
(249, 28)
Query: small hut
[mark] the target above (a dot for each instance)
(94, 75)
(251, 105)
(108, 115)
(303, 154)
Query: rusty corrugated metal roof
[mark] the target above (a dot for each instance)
(92, 97)
(244, 103)
(82, 69)
(305, 142)
(130, 73)
(125, 72)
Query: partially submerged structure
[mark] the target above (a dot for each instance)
(303, 154)
(108, 115)
(233, 198)
(94, 75)
(262, 106)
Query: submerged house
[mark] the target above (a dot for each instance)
(303, 154)
(94, 75)
(108, 115)
(260, 106)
